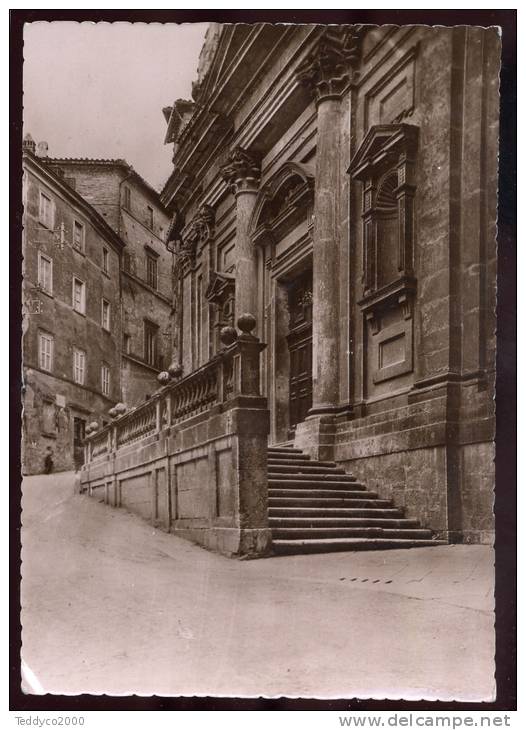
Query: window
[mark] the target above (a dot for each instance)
(105, 260)
(79, 296)
(45, 273)
(79, 366)
(78, 236)
(150, 342)
(45, 351)
(127, 198)
(46, 211)
(105, 316)
(105, 379)
(126, 344)
(151, 271)
(79, 431)
(149, 217)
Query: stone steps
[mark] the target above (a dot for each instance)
(314, 506)
(299, 493)
(323, 533)
(329, 545)
(322, 503)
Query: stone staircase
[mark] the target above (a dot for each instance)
(314, 506)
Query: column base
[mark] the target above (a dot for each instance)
(315, 436)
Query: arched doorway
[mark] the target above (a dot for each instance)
(281, 227)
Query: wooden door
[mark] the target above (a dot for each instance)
(299, 340)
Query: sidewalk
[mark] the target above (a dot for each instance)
(112, 605)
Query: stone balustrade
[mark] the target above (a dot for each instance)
(193, 458)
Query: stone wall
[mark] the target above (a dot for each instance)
(53, 399)
(193, 459)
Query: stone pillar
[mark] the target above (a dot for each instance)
(327, 74)
(242, 173)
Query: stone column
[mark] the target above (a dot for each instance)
(327, 73)
(242, 172)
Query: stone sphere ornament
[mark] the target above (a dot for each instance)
(112, 412)
(228, 335)
(94, 426)
(175, 370)
(120, 408)
(163, 378)
(246, 323)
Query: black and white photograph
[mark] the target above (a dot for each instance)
(258, 359)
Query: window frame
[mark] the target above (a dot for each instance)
(79, 364)
(149, 219)
(127, 197)
(49, 260)
(105, 382)
(83, 298)
(151, 352)
(152, 261)
(82, 246)
(43, 335)
(43, 219)
(105, 307)
(105, 260)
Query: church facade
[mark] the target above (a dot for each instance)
(339, 183)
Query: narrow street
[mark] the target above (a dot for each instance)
(110, 605)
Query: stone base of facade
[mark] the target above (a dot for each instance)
(315, 437)
(414, 453)
(230, 541)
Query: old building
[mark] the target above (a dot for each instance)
(340, 185)
(333, 198)
(133, 209)
(71, 317)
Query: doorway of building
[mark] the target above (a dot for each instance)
(299, 340)
(79, 434)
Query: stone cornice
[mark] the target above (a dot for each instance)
(329, 68)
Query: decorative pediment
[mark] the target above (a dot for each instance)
(382, 147)
(283, 199)
(221, 287)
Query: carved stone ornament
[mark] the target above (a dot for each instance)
(242, 170)
(329, 68)
(196, 234)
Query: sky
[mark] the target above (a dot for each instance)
(98, 89)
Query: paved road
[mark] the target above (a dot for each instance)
(111, 605)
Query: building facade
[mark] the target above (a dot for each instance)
(133, 209)
(71, 317)
(339, 183)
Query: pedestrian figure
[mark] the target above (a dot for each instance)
(48, 461)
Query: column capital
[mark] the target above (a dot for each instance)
(329, 67)
(242, 171)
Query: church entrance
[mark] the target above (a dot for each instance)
(299, 340)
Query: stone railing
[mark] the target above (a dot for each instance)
(193, 457)
(211, 385)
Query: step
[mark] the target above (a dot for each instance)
(308, 513)
(323, 533)
(284, 450)
(296, 504)
(300, 463)
(282, 457)
(284, 482)
(327, 545)
(338, 519)
(402, 523)
(304, 469)
(323, 494)
(317, 477)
